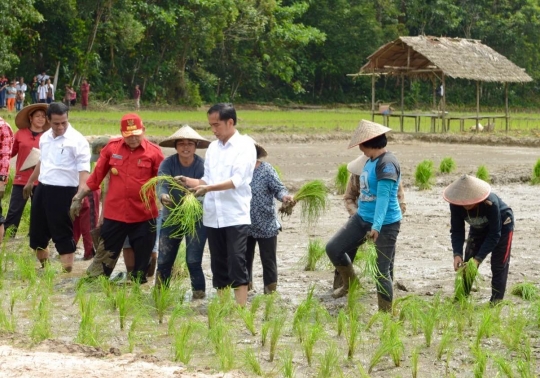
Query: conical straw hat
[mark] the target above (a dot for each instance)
(23, 122)
(185, 132)
(365, 131)
(261, 151)
(357, 165)
(466, 190)
(32, 159)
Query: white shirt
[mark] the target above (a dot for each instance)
(63, 157)
(22, 87)
(234, 160)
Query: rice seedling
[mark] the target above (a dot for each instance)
(41, 329)
(252, 362)
(315, 251)
(88, 331)
(428, 322)
(481, 361)
(7, 323)
(525, 290)
(132, 335)
(313, 202)
(411, 308)
(221, 339)
(287, 368)
(304, 309)
(353, 298)
(180, 269)
(276, 329)
(183, 216)
(341, 179)
(525, 349)
(503, 366)
(123, 303)
(485, 328)
(163, 300)
(483, 174)
(362, 373)
(264, 332)
(524, 369)
(445, 345)
(391, 335)
(367, 259)
(219, 307)
(180, 311)
(466, 276)
(414, 362)
(448, 165)
(183, 344)
(47, 277)
(423, 175)
(535, 178)
(25, 263)
(269, 304)
(352, 335)
(249, 319)
(341, 322)
(313, 333)
(329, 366)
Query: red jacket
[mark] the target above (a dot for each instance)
(6, 145)
(129, 171)
(23, 144)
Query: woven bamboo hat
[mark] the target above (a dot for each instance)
(22, 120)
(466, 190)
(261, 151)
(365, 131)
(32, 159)
(357, 165)
(185, 132)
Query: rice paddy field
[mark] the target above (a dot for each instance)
(53, 323)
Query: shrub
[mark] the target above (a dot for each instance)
(424, 175)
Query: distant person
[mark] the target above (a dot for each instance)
(21, 94)
(42, 92)
(32, 123)
(4, 82)
(33, 90)
(11, 95)
(6, 144)
(137, 97)
(50, 91)
(70, 96)
(43, 77)
(63, 166)
(491, 230)
(85, 92)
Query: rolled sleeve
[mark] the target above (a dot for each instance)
(101, 169)
(381, 207)
(83, 157)
(243, 166)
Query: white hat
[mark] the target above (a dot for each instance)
(466, 190)
(365, 131)
(261, 151)
(185, 132)
(32, 159)
(357, 165)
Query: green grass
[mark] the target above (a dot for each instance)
(447, 165)
(535, 178)
(483, 174)
(423, 176)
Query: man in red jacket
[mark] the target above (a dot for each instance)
(131, 160)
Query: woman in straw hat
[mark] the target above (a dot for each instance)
(491, 229)
(378, 216)
(264, 228)
(184, 163)
(32, 123)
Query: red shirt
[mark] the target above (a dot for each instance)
(6, 144)
(23, 144)
(129, 170)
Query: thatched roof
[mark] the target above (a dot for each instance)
(455, 57)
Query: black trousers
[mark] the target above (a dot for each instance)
(49, 218)
(267, 251)
(16, 209)
(142, 237)
(228, 255)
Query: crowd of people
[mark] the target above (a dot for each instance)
(237, 191)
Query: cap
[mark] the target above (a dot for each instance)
(131, 124)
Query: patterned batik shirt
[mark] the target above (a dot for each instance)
(265, 186)
(6, 144)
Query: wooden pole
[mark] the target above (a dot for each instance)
(477, 105)
(402, 102)
(506, 105)
(373, 98)
(443, 99)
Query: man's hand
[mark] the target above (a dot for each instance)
(373, 235)
(403, 207)
(2, 189)
(181, 180)
(200, 190)
(27, 190)
(458, 262)
(75, 207)
(166, 200)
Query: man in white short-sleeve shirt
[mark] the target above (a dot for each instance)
(64, 164)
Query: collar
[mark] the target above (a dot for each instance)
(69, 134)
(235, 138)
(144, 144)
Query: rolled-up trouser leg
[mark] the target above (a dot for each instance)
(112, 236)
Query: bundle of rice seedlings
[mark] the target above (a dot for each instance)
(465, 278)
(183, 216)
(366, 260)
(313, 201)
(342, 176)
(447, 165)
(424, 174)
(483, 174)
(535, 179)
(525, 290)
(315, 252)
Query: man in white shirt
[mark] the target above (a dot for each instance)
(228, 170)
(64, 164)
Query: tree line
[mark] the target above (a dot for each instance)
(280, 51)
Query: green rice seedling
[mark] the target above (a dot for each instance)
(15, 295)
(41, 329)
(524, 369)
(181, 312)
(304, 309)
(107, 288)
(132, 335)
(183, 216)
(123, 303)
(269, 305)
(183, 344)
(423, 175)
(428, 323)
(341, 322)
(256, 304)
(252, 362)
(535, 178)
(25, 263)
(382, 350)
(448, 165)
(249, 319)
(481, 361)
(88, 331)
(276, 329)
(6, 322)
(466, 276)
(485, 328)
(313, 201)
(445, 345)
(362, 373)
(164, 299)
(483, 174)
(329, 366)
(414, 362)
(180, 270)
(264, 332)
(341, 179)
(391, 336)
(354, 304)
(368, 256)
(312, 334)
(513, 334)
(410, 310)
(287, 368)
(503, 366)
(221, 339)
(220, 306)
(526, 290)
(315, 251)
(47, 278)
(352, 334)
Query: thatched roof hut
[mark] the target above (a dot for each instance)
(455, 57)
